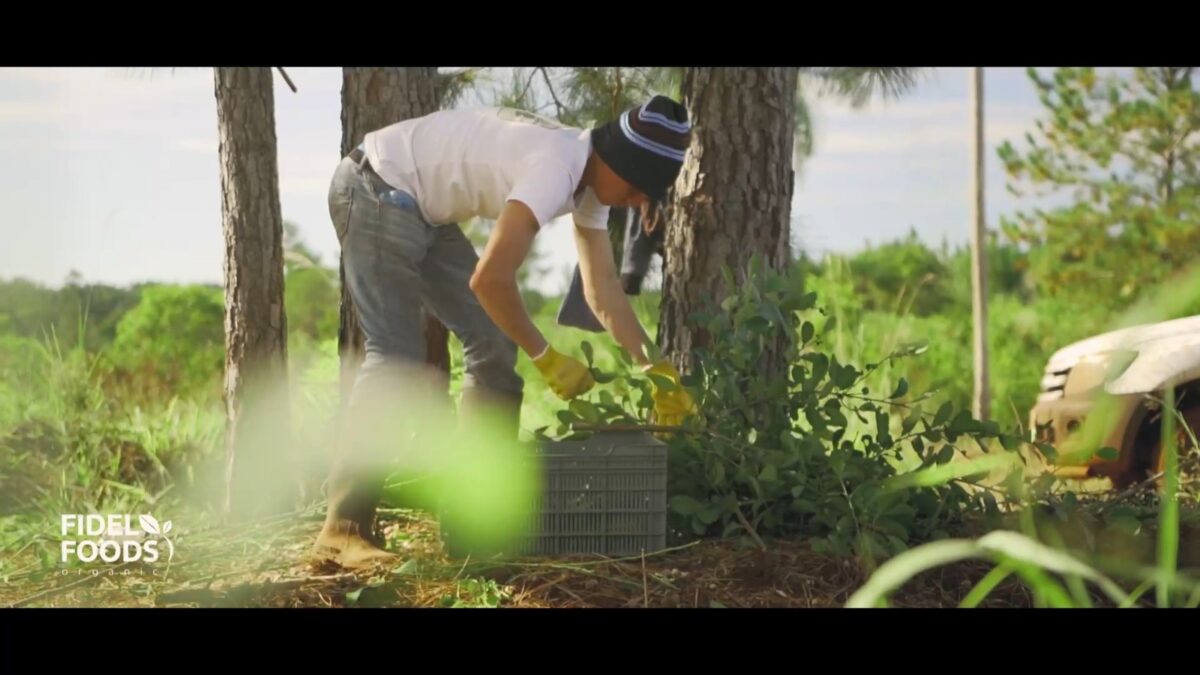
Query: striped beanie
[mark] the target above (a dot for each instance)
(645, 145)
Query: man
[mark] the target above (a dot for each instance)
(394, 204)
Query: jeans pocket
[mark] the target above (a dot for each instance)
(341, 205)
(399, 199)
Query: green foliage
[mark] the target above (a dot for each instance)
(1126, 150)
(33, 311)
(76, 447)
(1057, 576)
(476, 593)
(193, 357)
(797, 448)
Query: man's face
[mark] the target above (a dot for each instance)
(612, 190)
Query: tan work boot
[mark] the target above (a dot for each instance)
(344, 542)
(348, 537)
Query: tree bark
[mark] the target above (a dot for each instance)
(733, 197)
(257, 416)
(373, 98)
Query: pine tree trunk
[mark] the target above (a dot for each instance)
(734, 194)
(257, 424)
(373, 98)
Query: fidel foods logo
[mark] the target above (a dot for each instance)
(113, 538)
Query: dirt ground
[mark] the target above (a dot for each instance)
(268, 564)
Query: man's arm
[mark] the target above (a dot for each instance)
(602, 290)
(495, 279)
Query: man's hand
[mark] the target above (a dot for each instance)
(566, 376)
(672, 404)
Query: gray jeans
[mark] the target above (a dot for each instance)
(395, 262)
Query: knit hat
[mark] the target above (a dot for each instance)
(645, 145)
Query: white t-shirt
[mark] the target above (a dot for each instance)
(461, 164)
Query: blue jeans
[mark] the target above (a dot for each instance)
(395, 262)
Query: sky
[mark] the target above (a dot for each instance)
(113, 172)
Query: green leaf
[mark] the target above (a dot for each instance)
(716, 473)
(709, 514)
(602, 378)
(882, 425)
(896, 572)
(1018, 547)
(946, 454)
(1109, 454)
(807, 331)
(769, 474)
(963, 423)
(845, 376)
(587, 351)
(586, 409)
(901, 389)
(685, 505)
(943, 414)
(1048, 451)
(989, 503)
(816, 420)
(772, 313)
(836, 417)
(838, 462)
(757, 324)
(820, 366)
(830, 324)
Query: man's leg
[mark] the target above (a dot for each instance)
(491, 385)
(382, 249)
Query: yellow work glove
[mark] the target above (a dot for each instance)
(567, 377)
(671, 407)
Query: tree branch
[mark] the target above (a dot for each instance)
(287, 79)
(528, 83)
(550, 86)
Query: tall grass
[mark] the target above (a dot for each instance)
(1038, 564)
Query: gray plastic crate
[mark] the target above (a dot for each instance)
(604, 495)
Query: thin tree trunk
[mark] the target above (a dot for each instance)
(981, 401)
(257, 424)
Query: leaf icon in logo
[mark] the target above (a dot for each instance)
(149, 524)
(166, 526)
